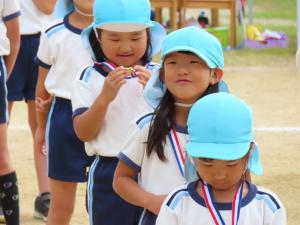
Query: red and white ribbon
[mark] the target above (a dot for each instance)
(213, 210)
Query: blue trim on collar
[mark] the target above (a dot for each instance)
(70, 26)
(221, 206)
(181, 129)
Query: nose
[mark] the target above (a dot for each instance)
(219, 175)
(182, 70)
(125, 48)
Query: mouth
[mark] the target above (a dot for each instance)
(183, 81)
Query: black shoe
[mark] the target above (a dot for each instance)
(2, 219)
(41, 206)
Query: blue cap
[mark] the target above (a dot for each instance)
(220, 127)
(125, 16)
(63, 7)
(196, 40)
(191, 39)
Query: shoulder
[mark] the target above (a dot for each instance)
(269, 198)
(55, 27)
(143, 120)
(176, 196)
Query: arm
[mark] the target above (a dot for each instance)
(125, 185)
(88, 124)
(13, 34)
(42, 93)
(41, 115)
(45, 6)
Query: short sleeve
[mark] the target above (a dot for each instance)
(166, 215)
(134, 148)
(45, 56)
(10, 10)
(85, 90)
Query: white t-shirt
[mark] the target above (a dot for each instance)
(185, 206)
(32, 20)
(128, 104)
(156, 176)
(9, 9)
(61, 50)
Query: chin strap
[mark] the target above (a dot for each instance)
(183, 104)
(82, 13)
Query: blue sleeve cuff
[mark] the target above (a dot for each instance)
(79, 111)
(41, 63)
(11, 16)
(129, 162)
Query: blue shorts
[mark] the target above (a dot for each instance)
(105, 207)
(3, 93)
(22, 81)
(67, 160)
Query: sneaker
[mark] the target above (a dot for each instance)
(2, 219)
(41, 206)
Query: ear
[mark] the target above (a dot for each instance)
(162, 74)
(216, 75)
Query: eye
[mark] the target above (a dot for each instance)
(232, 164)
(206, 162)
(136, 38)
(194, 62)
(114, 40)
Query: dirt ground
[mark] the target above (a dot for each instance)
(273, 91)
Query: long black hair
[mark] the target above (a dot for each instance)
(163, 121)
(100, 57)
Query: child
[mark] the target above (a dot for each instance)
(21, 84)
(192, 62)
(9, 47)
(108, 95)
(221, 144)
(61, 54)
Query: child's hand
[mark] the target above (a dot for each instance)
(156, 203)
(113, 82)
(143, 74)
(42, 105)
(39, 140)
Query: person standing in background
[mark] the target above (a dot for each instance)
(9, 47)
(35, 14)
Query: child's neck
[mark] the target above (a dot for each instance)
(79, 21)
(181, 114)
(224, 195)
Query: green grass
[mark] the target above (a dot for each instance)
(267, 15)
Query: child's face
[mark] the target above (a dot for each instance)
(85, 6)
(221, 174)
(124, 48)
(186, 76)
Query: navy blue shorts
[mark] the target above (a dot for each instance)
(3, 93)
(67, 160)
(105, 207)
(22, 81)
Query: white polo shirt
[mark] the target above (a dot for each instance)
(9, 9)
(61, 51)
(156, 176)
(185, 206)
(32, 20)
(128, 104)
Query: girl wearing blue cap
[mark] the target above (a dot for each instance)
(222, 147)
(108, 95)
(192, 63)
(61, 55)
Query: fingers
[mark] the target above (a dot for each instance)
(143, 74)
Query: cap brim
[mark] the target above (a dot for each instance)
(123, 27)
(218, 151)
(209, 63)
